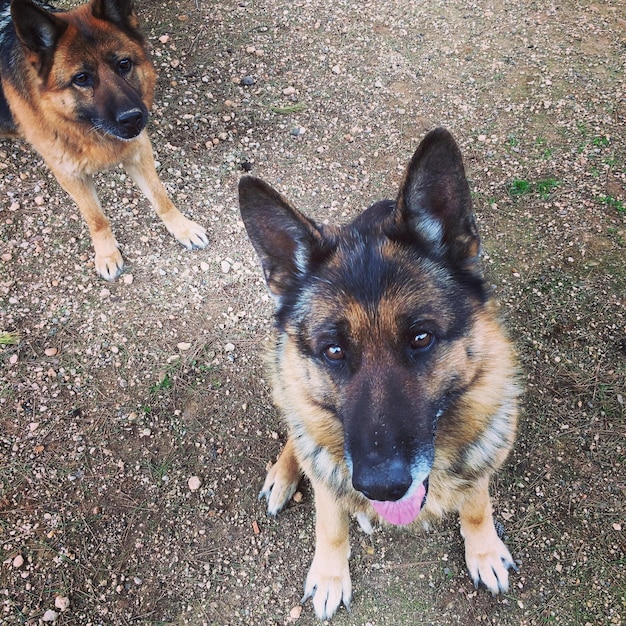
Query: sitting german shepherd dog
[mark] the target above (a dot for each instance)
(77, 85)
(396, 381)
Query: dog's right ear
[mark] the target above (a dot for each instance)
(118, 12)
(284, 238)
(39, 32)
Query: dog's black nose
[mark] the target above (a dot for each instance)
(131, 122)
(386, 482)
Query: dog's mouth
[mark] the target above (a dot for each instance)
(404, 511)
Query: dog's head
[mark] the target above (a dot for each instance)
(381, 312)
(91, 64)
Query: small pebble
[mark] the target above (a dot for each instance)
(183, 345)
(247, 81)
(18, 561)
(194, 483)
(50, 616)
(51, 351)
(62, 603)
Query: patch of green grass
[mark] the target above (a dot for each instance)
(546, 186)
(164, 384)
(9, 338)
(512, 141)
(601, 142)
(520, 187)
(614, 203)
(287, 110)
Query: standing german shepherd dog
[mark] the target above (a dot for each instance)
(77, 85)
(395, 378)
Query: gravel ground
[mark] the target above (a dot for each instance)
(135, 420)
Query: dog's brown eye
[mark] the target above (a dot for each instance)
(124, 66)
(82, 79)
(334, 353)
(421, 340)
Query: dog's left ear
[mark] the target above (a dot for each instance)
(435, 203)
(118, 12)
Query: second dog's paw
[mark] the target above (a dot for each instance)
(109, 265)
(490, 565)
(190, 234)
(328, 590)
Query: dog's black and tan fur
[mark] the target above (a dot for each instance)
(392, 371)
(77, 85)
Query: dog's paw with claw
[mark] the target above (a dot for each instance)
(490, 565)
(190, 234)
(109, 263)
(279, 486)
(328, 590)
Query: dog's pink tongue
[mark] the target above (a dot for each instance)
(401, 512)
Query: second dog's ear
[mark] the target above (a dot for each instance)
(38, 31)
(284, 238)
(435, 203)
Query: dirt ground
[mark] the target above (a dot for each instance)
(118, 393)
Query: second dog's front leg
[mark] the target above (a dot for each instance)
(81, 188)
(142, 171)
(328, 581)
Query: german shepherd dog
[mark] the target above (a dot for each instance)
(77, 85)
(395, 378)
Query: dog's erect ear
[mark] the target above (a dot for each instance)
(284, 238)
(434, 202)
(38, 30)
(118, 12)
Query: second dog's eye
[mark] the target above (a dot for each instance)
(82, 79)
(335, 353)
(422, 340)
(124, 66)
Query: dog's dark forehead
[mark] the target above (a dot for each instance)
(370, 278)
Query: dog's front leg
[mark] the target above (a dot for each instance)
(282, 479)
(108, 260)
(328, 581)
(141, 168)
(487, 557)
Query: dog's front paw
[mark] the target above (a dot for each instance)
(490, 565)
(187, 232)
(280, 484)
(328, 589)
(109, 265)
